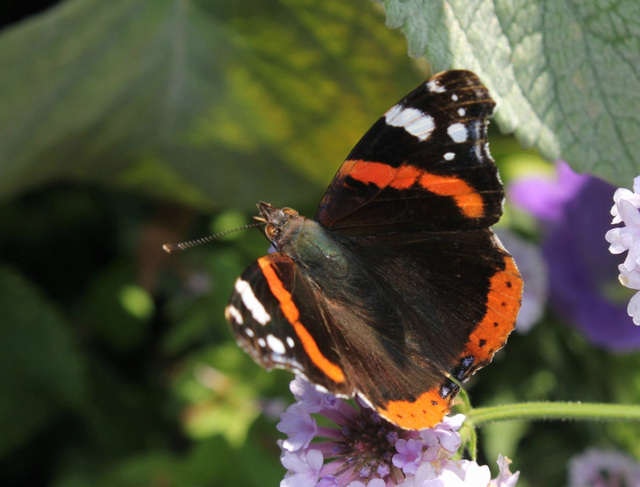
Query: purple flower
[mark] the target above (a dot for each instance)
(596, 468)
(574, 212)
(364, 450)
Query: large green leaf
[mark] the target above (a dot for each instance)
(209, 102)
(566, 74)
(41, 371)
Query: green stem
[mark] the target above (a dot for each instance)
(554, 410)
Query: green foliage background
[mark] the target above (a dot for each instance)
(130, 123)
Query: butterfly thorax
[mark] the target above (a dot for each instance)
(307, 242)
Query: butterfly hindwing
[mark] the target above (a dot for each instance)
(457, 295)
(283, 322)
(391, 342)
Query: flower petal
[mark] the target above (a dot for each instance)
(634, 308)
(299, 426)
(303, 469)
(505, 478)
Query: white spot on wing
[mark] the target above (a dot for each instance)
(454, 97)
(275, 344)
(435, 87)
(232, 314)
(457, 132)
(290, 342)
(422, 127)
(249, 332)
(415, 122)
(399, 116)
(392, 113)
(448, 156)
(462, 112)
(251, 302)
(262, 342)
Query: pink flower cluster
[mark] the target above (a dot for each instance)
(363, 450)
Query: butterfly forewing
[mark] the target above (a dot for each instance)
(424, 165)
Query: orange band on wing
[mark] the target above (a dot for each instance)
(503, 304)
(467, 199)
(383, 175)
(425, 412)
(292, 314)
(489, 336)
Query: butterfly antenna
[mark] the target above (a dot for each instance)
(170, 247)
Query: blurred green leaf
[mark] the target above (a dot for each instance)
(224, 392)
(136, 301)
(565, 74)
(228, 222)
(194, 101)
(118, 310)
(41, 370)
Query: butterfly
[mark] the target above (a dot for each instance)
(398, 289)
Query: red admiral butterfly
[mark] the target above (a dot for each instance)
(398, 288)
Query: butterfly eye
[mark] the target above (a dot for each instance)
(289, 211)
(271, 232)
